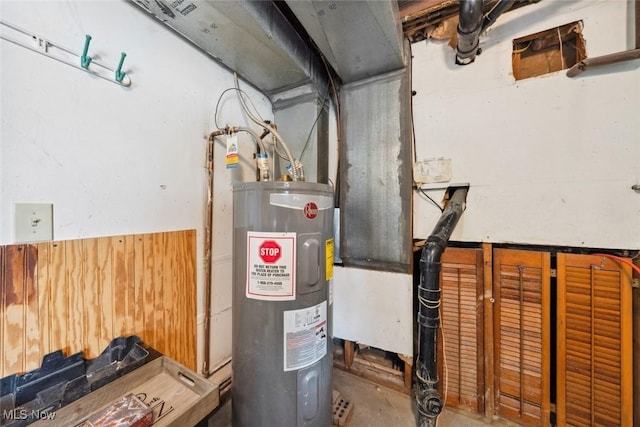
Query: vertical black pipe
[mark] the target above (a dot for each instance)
(471, 24)
(429, 401)
(469, 27)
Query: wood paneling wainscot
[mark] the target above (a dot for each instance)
(77, 295)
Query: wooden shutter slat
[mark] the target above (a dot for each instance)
(594, 336)
(462, 316)
(521, 290)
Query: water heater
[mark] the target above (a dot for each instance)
(282, 304)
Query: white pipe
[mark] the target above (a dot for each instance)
(257, 120)
(294, 169)
(252, 133)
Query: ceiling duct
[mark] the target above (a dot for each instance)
(363, 42)
(360, 39)
(252, 38)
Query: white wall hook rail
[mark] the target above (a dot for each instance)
(43, 46)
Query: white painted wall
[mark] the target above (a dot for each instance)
(112, 160)
(551, 160)
(374, 308)
(118, 161)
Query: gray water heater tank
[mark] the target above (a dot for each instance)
(282, 304)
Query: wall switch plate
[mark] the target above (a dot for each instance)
(33, 222)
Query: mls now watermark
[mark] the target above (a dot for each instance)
(27, 414)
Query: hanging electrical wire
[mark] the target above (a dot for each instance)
(336, 103)
(336, 99)
(215, 115)
(243, 98)
(446, 366)
(324, 99)
(621, 260)
(522, 49)
(413, 138)
(255, 117)
(429, 198)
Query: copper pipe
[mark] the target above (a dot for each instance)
(208, 238)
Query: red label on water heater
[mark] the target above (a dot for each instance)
(310, 210)
(270, 251)
(271, 261)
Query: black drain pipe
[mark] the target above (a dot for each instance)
(469, 27)
(471, 24)
(428, 399)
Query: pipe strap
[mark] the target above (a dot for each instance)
(428, 322)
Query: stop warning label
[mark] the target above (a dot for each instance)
(271, 260)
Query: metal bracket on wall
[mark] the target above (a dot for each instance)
(81, 62)
(635, 283)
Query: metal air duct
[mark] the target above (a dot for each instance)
(252, 38)
(360, 39)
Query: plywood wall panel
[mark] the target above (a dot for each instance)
(74, 281)
(58, 309)
(120, 285)
(14, 297)
(149, 306)
(93, 317)
(130, 289)
(170, 318)
(138, 292)
(19, 327)
(105, 294)
(158, 291)
(78, 295)
(32, 327)
(185, 269)
(44, 296)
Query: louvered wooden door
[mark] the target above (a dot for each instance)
(521, 281)
(594, 342)
(461, 377)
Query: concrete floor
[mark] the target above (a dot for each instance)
(373, 406)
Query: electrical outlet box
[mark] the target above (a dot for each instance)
(33, 222)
